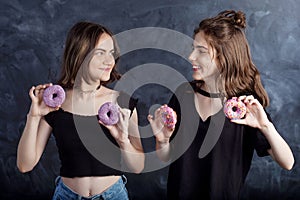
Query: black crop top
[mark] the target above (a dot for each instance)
(86, 148)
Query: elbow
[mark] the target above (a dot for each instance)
(286, 160)
(22, 168)
(289, 166)
(135, 169)
(138, 169)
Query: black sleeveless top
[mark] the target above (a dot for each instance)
(220, 172)
(85, 147)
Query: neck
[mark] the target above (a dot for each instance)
(86, 87)
(87, 90)
(210, 87)
(210, 92)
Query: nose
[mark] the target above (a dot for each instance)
(192, 56)
(109, 59)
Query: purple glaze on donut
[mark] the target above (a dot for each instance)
(109, 113)
(169, 117)
(54, 96)
(234, 109)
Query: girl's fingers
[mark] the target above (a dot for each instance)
(157, 112)
(123, 119)
(246, 99)
(124, 113)
(241, 98)
(56, 108)
(48, 84)
(249, 98)
(150, 118)
(100, 122)
(38, 89)
(121, 115)
(107, 126)
(31, 92)
(238, 121)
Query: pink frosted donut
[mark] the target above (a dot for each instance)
(54, 96)
(108, 113)
(169, 117)
(234, 109)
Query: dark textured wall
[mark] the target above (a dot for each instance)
(32, 36)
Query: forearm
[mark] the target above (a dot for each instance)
(26, 155)
(134, 158)
(280, 150)
(163, 150)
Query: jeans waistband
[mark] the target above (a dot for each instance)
(111, 191)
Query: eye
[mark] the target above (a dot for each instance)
(112, 53)
(202, 51)
(199, 49)
(99, 53)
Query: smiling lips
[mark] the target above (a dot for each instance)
(195, 68)
(106, 69)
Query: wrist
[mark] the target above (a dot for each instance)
(29, 115)
(123, 141)
(266, 127)
(163, 141)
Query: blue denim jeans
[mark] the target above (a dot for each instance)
(117, 191)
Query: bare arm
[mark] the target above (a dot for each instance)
(127, 135)
(32, 143)
(162, 135)
(256, 117)
(280, 150)
(36, 132)
(133, 152)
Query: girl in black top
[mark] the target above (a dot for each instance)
(211, 155)
(92, 154)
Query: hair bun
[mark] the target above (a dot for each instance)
(240, 19)
(237, 18)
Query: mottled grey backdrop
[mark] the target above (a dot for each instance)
(32, 36)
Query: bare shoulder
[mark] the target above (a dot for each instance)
(67, 104)
(105, 92)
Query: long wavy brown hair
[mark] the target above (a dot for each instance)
(81, 41)
(238, 74)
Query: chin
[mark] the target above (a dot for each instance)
(104, 79)
(197, 77)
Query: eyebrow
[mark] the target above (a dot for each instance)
(99, 49)
(200, 47)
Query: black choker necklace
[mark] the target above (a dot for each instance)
(87, 91)
(207, 94)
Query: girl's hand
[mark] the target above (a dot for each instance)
(255, 116)
(120, 130)
(38, 107)
(160, 131)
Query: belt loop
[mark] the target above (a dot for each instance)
(57, 179)
(124, 179)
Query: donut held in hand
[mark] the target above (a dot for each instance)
(234, 109)
(169, 117)
(108, 113)
(54, 96)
